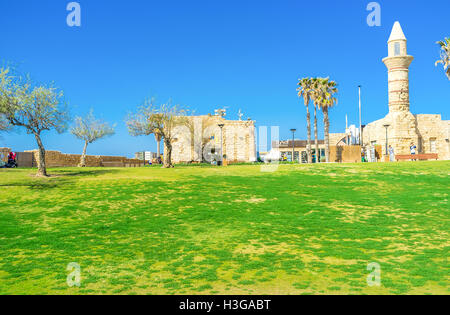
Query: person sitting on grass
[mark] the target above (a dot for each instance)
(11, 158)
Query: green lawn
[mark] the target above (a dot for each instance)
(233, 230)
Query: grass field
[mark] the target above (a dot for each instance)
(233, 230)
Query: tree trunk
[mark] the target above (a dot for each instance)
(308, 126)
(158, 148)
(316, 135)
(42, 169)
(326, 125)
(158, 139)
(167, 154)
(83, 156)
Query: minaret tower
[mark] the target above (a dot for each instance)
(402, 124)
(398, 63)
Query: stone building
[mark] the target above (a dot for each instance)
(202, 140)
(340, 151)
(427, 131)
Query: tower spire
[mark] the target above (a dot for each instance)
(397, 33)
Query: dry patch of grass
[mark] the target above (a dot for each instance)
(233, 230)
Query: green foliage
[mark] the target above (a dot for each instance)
(153, 119)
(305, 229)
(35, 107)
(90, 129)
(305, 90)
(158, 120)
(4, 124)
(445, 55)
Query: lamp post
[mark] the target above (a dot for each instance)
(221, 142)
(360, 117)
(386, 126)
(293, 143)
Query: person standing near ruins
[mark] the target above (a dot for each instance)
(391, 154)
(413, 150)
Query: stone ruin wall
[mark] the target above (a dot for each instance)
(433, 127)
(238, 139)
(345, 153)
(406, 128)
(401, 133)
(58, 159)
(4, 154)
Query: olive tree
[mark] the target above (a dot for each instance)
(89, 129)
(4, 125)
(157, 120)
(35, 107)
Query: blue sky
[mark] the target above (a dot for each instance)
(207, 54)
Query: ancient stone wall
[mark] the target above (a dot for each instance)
(428, 132)
(345, 153)
(405, 129)
(4, 154)
(58, 159)
(202, 136)
(434, 135)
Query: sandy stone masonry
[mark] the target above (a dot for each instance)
(58, 159)
(428, 132)
(4, 154)
(204, 133)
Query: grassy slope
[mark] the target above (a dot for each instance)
(235, 230)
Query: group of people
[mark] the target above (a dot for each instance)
(11, 157)
(412, 148)
(391, 153)
(11, 161)
(157, 161)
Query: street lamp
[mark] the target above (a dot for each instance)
(386, 126)
(221, 142)
(293, 143)
(360, 118)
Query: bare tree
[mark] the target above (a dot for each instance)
(89, 129)
(35, 107)
(158, 120)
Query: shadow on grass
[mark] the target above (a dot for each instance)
(58, 173)
(58, 178)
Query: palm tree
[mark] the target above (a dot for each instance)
(445, 55)
(326, 101)
(316, 85)
(304, 90)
